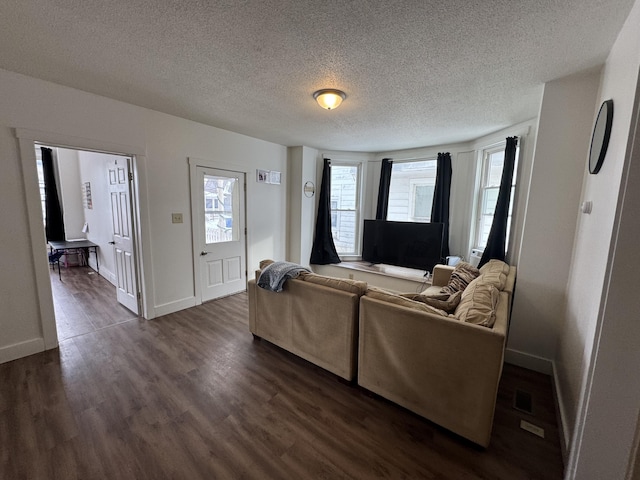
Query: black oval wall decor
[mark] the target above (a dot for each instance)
(600, 136)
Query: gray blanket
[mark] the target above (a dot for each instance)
(273, 276)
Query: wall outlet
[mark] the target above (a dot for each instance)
(176, 218)
(529, 427)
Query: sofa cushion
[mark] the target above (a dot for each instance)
(461, 276)
(389, 297)
(345, 284)
(495, 272)
(478, 303)
(447, 304)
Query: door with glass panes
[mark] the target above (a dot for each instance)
(221, 232)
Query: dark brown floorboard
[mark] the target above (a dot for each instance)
(191, 395)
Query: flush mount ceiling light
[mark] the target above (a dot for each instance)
(329, 98)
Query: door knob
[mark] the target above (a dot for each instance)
(203, 253)
(112, 243)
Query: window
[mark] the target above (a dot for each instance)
(345, 204)
(492, 163)
(220, 208)
(411, 191)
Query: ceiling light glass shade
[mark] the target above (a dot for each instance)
(329, 98)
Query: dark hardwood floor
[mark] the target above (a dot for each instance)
(191, 395)
(84, 302)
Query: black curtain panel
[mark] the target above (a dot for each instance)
(496, 243)
(324, 251)
(54, 224)
(383, 189)
(441, 196)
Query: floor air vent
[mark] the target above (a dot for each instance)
(523, 401)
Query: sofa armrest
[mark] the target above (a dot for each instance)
(441, 274)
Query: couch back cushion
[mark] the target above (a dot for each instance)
(495, 272)
(345, 284)
(389, 297)
(478, 303)
(463, 274)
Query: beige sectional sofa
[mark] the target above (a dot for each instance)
(437, 365)
(314, 317)
(444, 367)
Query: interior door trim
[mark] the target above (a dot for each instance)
(27, 138)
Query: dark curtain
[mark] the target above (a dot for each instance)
(496, 243)
(324, 251)
(441, 194)
(54, 224)
(383, 189)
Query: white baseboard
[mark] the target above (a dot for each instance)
(171, 307)
(565, 432)
(21, 349)
(104, 272)
(526, 360)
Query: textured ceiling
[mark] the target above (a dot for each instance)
(416, 73)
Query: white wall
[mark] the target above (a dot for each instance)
(93, 169)
(19, 312)
(71, 194)
(170, 141)
(81, 119)
(302, 208)
(598, 349)
(552, 206)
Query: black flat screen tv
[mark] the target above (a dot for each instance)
(404, 244)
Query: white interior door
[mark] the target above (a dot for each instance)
(220, 227)
(120, 195)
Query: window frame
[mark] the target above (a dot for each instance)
(483, 168)
(357, 210)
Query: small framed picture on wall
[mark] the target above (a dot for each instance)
(262, 176)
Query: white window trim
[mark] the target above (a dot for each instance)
(482, 172)
(358, 207)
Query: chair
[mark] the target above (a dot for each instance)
(54, 258)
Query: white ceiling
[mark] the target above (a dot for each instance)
(416, 73)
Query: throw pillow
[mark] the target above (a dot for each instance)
(447, 304)
(495, 272)
(461, 276)
(389, 297)
(478, 304)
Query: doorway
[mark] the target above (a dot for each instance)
(28, 141)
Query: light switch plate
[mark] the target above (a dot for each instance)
(176, 218)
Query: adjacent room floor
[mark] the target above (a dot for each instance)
(84, 302)
(191, 395)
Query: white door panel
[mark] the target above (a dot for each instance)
(219, 226)
(119, 190)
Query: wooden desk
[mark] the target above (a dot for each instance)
(73, 246)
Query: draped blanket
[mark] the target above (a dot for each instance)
(274, 275)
